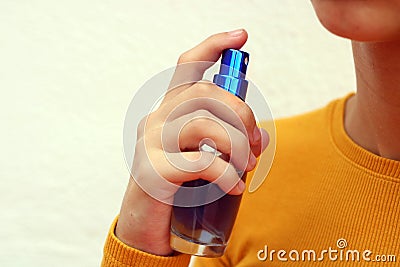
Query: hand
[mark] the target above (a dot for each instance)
(167, 149)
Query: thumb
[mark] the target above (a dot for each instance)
(211, 48)
(205, 55)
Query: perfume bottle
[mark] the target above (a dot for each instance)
(205, 230)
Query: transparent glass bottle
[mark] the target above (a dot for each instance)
(204, 230)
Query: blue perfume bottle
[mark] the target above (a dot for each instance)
(204, 230)
(232, 72)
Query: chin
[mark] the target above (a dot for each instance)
(360, 20)
(357, 33)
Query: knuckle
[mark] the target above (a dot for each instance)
(141, 127)
(197, 126)
(240, 147)
(201, 114)
(243, 144)
(244, 112)
(184, 57)
(212, 37)
(193, 127)
(202, 120)
(202, 89)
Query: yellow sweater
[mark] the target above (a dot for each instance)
(324, 195)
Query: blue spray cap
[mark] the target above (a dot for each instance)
(232, 72)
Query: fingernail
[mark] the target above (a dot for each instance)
(265, 140)
(241, 186)
(256, 135)
(253, 160)
(236, 33)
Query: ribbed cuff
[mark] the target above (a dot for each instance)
(116, 253)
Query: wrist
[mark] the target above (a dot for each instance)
(144, 223)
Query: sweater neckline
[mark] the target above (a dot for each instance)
(356, 154)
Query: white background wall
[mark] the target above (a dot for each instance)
(68, 70)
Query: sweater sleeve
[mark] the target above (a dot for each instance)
(117, 254)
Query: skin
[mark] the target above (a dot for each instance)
(372, 115)
(360, 20)
(144, 221)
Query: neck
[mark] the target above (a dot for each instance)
(373, 115)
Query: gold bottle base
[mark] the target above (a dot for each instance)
(184, 246)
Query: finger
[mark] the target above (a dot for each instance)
(204, 54)
(219, 102)
(160, 174)
(259, 148)
(202, 165)
(264, 139)
(192, 130)
(210, 49)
